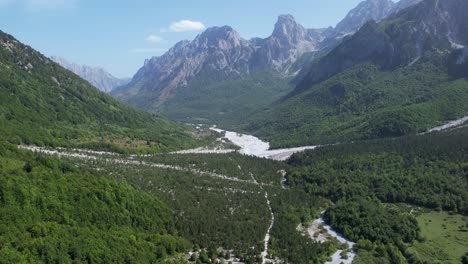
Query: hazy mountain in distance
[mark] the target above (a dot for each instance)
(98, 77)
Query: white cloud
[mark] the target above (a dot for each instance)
(186, 25)
(147, 50)
(154, 39)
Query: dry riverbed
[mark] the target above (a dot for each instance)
(249, 145)
(321, 232)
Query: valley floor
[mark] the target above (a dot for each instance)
(114, 158)
(192, 184)
(101, 161)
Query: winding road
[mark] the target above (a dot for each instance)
(272, 221)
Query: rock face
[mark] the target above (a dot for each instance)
(375, 10)
(402, 4)
(433, 24)
(98, 77)
(287, 43)
(365, 11)
(220, 54)
(218, 49)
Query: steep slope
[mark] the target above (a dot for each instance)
(398, 41)
(195, 79)
(368, 10)
(400, 76)
(98, 77)
(403, 4)
(42, 103)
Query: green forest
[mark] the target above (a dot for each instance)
(43, 104)
(54, 212)
(366, 102)
(224, 102)
(364, 179)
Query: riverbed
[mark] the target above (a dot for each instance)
(322, 237)
(251, 146)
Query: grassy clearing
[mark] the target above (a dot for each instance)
(446, 237)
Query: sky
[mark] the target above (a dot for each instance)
(118, 35)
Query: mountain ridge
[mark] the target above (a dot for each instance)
(221, 50)
(395, 77)
(97, 76)
(385, 46)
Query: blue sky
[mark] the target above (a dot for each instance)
(119, 35)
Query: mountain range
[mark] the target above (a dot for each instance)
(216, 64)
(212, 78)
(98, 77)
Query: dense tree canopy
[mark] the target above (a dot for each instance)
(54, 212)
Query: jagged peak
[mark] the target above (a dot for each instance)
(218, 30)
(285, 25)
(214, 35)
(221, 32)
(286, 18)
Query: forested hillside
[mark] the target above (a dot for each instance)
(42, 103)
(225, 103)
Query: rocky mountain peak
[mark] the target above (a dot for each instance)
(365, 11)
(287, 30)
(224, 37)
(284, 24)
